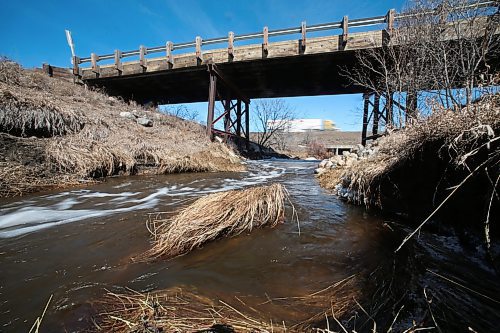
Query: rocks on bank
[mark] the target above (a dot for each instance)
(347, 159)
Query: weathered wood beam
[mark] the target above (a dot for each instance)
(76, 63)
(142, 57)
(247, 124)
(238, 118)
(376, 113)
(228, 83)
(303, 40)
(93, 61)
(170, 58)
(212, 89)
(118, 62)
(345, 31)
(265, 42)
(366, 99)
(230, 46)
(198, 50)
(389, 19)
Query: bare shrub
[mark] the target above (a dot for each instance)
(271, 117)
(317, 149)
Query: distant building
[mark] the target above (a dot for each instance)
(302, 125)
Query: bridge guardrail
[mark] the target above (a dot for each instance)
(389, 19)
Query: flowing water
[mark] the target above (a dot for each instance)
(76, 244)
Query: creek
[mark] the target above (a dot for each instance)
(75, 244)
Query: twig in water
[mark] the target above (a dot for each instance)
(462, 286)
(430, 310)
(38, 321)
(407, 238)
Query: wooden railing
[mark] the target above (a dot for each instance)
(390, 19)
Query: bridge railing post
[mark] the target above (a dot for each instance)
(76, 68)
(389, 19)
(230, 46)
(199, 60)
(94, 58)
(303, 29)
(142, 57)
(169, 46)
(118, 62)
(265, 42)
(345, 31)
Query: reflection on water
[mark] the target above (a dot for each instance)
(75, 244)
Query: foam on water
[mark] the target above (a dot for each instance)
(46, 211)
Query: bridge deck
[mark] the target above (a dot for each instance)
(288, 69)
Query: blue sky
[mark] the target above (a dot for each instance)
(32, 32)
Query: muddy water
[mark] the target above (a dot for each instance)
(75, 244)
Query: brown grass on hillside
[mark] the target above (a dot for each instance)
(85, 136)
(222, 214)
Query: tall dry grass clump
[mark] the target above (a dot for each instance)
(222, 214)
(80, 133)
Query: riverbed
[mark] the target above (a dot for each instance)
(75, 244)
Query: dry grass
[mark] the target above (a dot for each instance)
(217, 215)
(81, 133)
(182, 310)
(171, 310)
(458, 134)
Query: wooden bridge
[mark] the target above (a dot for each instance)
(233, 75)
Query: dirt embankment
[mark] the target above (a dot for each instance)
(54, 133)
(447, 165)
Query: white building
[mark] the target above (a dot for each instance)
(302, 125)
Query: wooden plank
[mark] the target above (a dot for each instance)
(198, 50)
(345, 31)
(118, 61)
(230, 46)
(93, 60)
(389, 19)
(170, 58)
(303, 40)
(211, 104)
(265, 42)
(142, 57)
(366, 98)
(318, 45)
(76, 63)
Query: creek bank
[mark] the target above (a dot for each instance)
(446, 165)
(54, 133)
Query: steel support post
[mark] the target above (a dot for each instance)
(366, 98)
(212, 90)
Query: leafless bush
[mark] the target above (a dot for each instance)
(270, 118)
(437, 54)
(317, 149)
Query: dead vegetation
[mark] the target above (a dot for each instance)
(79, 134)
(456, 136)
(185, 310)
(222, 214)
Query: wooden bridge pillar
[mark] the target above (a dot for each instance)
(411, 105)
(366, 100)
(376, 114)
(233, 126)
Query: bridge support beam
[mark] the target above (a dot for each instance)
(374, 115)
(234, 106)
